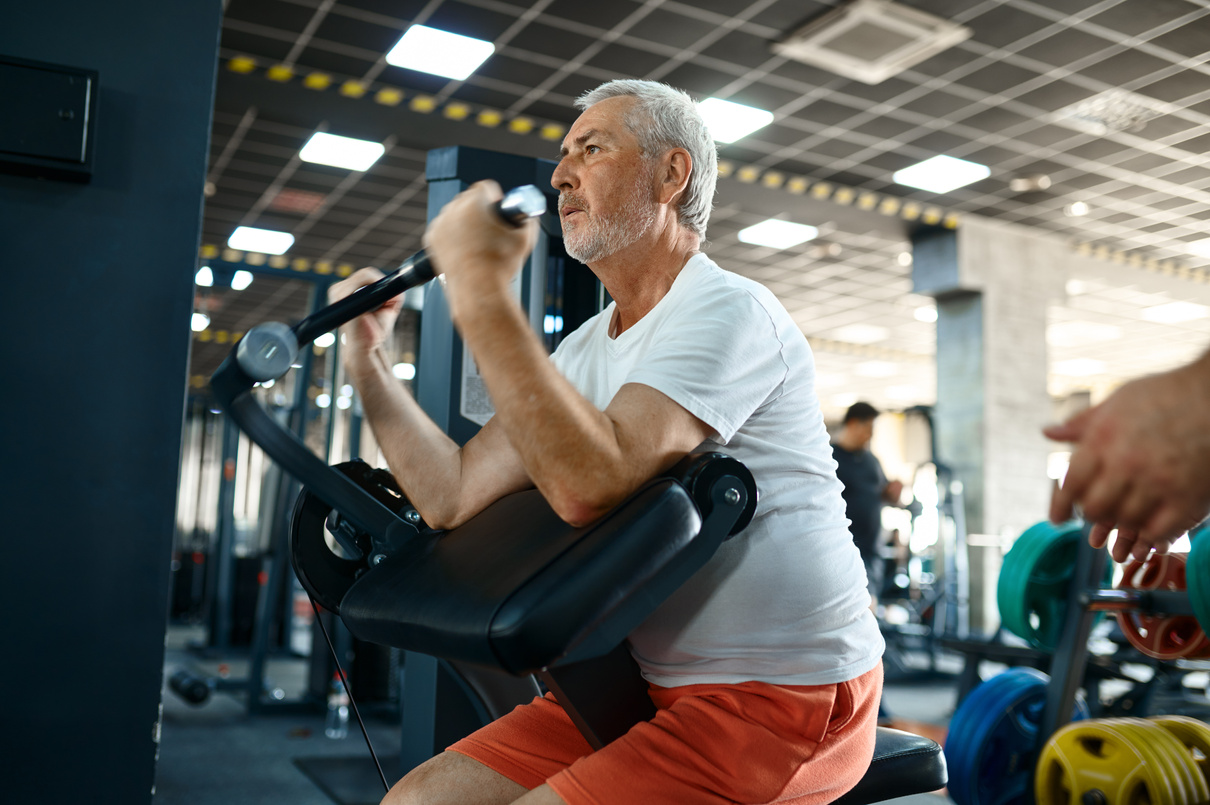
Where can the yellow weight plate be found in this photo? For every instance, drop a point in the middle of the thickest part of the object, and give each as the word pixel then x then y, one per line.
pixel 1195 735
pixel 1171 755
pixel 1099 755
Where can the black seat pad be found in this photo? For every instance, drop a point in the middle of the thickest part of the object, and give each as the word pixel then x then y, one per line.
pixel 903 764
pixel 516 587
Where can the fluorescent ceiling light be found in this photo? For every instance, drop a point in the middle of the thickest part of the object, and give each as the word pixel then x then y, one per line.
pixel 777 234
pixel 323 400
pixel 1200 247
pixel 200 322
pixel 438 52
pixel 1175 312
pixel 1081 333
pixel 1079 367
pixel 861 333
pixel 876 369
pixel 941 174
pixel 240 280
pixel 204 277
pixel 1076 208
pixel 728 121
pixel 926 313
pixel 265 241
pixel 343 402
pixel 326 340
pixel 341 152
pixel 404 371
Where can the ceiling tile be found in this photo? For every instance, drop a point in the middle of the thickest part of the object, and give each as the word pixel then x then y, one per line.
pixel 468 20
pixel 626 61
pixel 669 28
pixel 1178 87
pixel 1136 18
pixel 1125 67
pixel 741 48
pixel 1054 96
pixel 1191 39
pixel 1003 25
pixel 1065 47
pixel 600 15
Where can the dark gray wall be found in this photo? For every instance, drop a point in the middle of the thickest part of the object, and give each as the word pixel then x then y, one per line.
pixel 95 298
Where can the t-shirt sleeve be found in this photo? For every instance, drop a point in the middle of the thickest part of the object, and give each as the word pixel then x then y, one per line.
pixel 719 361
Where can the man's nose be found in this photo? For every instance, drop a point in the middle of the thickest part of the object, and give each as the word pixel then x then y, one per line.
pixel 563 177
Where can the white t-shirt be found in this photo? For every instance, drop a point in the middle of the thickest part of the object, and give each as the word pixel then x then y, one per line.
pixel 785 601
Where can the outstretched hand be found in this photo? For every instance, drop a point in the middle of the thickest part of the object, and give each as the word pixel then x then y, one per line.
pixel 1141 462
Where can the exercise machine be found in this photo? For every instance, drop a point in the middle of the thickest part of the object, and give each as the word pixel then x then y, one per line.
pixel 549 600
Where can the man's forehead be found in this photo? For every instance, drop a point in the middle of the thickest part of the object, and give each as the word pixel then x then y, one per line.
pixel 605 118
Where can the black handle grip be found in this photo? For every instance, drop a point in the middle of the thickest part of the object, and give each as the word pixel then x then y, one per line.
pixel 518 206
pixel 268 350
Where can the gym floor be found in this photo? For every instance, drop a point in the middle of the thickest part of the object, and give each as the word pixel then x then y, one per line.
pixel 216 754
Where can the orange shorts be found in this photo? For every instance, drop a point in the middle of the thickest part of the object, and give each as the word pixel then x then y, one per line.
pixel 746 743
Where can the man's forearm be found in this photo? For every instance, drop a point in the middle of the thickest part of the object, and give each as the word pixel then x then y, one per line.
pixel 425 462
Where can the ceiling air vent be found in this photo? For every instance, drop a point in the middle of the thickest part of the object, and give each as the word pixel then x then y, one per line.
pixel 1109 111
pixel 870 40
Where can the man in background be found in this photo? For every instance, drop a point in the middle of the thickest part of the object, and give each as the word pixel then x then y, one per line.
pixel 866 489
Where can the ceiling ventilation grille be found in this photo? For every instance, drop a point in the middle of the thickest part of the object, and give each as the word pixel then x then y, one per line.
pixel 870 40
pixel 1110 111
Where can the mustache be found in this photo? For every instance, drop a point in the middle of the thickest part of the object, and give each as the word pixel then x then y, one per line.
pixel 569 198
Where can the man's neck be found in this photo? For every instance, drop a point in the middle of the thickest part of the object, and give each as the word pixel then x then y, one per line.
pixel 640 275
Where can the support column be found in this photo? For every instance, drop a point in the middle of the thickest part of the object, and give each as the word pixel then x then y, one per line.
pixel 993 284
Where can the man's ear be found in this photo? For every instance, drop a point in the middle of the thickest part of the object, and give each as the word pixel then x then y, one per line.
pixel 676 166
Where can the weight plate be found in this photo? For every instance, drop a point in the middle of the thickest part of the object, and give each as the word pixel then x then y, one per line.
pixel 1098 756
pixel 1034 581
pixel 1197 576
pixel 1170 756
pixel 1194 735
pixel 1160 636
pixel 1012 586
pixel 993 738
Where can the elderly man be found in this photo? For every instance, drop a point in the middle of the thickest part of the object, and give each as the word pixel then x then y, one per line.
pixel 765 667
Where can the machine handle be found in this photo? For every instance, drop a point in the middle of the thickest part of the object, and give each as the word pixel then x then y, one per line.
pixel 268 351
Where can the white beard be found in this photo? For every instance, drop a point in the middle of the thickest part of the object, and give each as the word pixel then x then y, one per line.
pixel 594 237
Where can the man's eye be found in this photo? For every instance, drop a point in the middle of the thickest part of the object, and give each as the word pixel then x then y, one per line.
pixel 592 149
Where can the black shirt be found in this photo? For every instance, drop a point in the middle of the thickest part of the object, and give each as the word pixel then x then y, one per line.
pixel 863 480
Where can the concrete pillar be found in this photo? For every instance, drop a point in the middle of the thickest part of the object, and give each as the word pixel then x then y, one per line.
pixel 993 284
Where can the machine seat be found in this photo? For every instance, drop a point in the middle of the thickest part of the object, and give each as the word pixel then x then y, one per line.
pixel 903 764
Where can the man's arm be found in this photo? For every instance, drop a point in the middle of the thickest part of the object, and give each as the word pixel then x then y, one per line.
pixel 585 461
pixel 447 484
pixel 1141 461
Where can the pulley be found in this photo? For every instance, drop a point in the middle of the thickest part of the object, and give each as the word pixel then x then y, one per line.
pixel 328 551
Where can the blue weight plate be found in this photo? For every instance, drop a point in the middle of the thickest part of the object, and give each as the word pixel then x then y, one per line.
pixel 993 740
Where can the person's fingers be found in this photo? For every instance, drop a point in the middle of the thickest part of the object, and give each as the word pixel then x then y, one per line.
pixel 1123 544
pixel 1080 473
pixel 1098 535
pixel 1071 430
pixel 1165 522
pixel 1137 506
pixel 358 279
pixel 1104 496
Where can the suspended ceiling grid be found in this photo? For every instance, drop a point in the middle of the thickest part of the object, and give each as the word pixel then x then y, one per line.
pixel 991 99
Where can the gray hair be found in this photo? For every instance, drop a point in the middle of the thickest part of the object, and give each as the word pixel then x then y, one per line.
pixel 663 118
